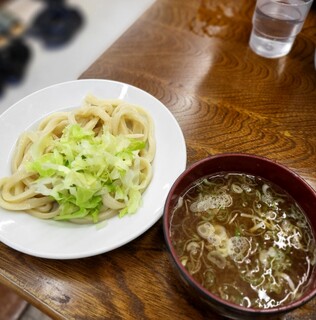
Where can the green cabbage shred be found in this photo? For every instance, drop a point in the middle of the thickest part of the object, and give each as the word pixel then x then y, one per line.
pixel 82 167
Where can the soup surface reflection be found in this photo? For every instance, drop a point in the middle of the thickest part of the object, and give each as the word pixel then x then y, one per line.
pixel 244 239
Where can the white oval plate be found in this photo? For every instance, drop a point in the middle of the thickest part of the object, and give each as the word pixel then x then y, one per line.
pixel 63 240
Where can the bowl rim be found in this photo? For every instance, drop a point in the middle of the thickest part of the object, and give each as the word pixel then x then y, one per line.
pixel 184 273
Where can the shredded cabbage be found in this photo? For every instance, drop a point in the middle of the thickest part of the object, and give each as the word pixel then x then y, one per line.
pixel 82 167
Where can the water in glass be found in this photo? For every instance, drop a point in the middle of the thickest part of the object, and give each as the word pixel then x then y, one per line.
pixel 275 26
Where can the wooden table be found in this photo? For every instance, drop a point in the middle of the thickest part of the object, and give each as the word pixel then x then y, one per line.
pixel 195 58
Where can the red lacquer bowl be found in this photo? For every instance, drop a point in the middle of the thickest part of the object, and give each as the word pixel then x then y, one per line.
pixel 285 178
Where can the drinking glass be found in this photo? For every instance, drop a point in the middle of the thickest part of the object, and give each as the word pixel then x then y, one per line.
pixel 276 23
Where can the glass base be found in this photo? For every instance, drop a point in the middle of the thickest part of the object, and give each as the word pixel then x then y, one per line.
pixel 270 48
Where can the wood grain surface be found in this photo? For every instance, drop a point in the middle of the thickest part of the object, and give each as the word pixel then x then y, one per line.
pixel 194 57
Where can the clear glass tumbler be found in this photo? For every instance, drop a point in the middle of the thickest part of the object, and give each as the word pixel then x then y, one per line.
pixel 276 24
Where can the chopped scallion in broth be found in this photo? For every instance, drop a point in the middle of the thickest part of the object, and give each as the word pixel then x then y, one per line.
pixel 244 239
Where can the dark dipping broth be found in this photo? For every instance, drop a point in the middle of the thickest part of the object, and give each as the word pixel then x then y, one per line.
pixel 244 239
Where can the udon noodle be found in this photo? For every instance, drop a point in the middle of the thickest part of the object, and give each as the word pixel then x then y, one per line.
pixel 19 192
